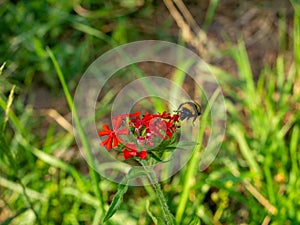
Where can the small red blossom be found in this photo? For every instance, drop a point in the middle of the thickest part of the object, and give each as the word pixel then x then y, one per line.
pixel 130 150
pixel 112 139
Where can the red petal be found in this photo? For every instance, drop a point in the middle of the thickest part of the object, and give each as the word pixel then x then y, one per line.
pixel 117 141
pixel 117 122
pixel 131 146
pixel 136 114
pixel 105 131
pixel 128 154
pixel 143 154
pixel 122 131
pixel 107 143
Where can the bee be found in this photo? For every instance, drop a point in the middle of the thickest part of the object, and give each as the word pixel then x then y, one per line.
pixel 189 110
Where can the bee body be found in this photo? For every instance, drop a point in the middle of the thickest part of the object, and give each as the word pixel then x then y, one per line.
pixel 189 110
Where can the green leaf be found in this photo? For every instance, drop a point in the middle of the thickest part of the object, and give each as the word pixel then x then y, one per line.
pixel 157 158
pixel 154 156
pixel 116 202
pixel 133 173
pixel 170 149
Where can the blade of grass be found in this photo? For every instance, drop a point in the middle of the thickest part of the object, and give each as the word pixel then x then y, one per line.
pixel 241 58
pixel 296 35
pixel 97 217
pixel 93 32
pixel 237 132
pixel 84 197
pixel 294 156
pixel 19 189
pixel 86 146
pixel 213 4
pixel 192 165
pixel 178 78
pixel 282 31
pixel 10 219
pixel 12 116
pixel 8 105
pixel 2 67
pixel 267 166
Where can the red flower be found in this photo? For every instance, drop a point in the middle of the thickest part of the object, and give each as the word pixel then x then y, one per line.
pixel 113 140
pixel 144 129
pixel 162 125
pixel 130 151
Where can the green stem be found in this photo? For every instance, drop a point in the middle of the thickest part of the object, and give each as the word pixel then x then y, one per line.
pixel 168 217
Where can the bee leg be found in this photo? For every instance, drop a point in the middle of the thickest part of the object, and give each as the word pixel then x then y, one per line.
pixel 195 117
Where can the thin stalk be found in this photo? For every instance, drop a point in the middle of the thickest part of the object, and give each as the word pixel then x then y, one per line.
pixel 168 217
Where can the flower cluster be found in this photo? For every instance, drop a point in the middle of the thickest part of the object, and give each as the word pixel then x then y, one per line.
pixel 145 129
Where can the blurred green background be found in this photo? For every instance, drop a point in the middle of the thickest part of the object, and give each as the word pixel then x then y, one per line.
pixel 253 48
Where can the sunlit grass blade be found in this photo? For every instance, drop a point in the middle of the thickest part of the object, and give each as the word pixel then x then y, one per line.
pixel 178 78
pixel 85 143
pixel 10 219
pixel 296 34
pixel 295 159
pixel 2 67
pixel 247 153
pixel 93 32
pixel 213 4
pixel 12 116
pixel 8 106
pixel 192 164
pixel 82 196
pixel 19 189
